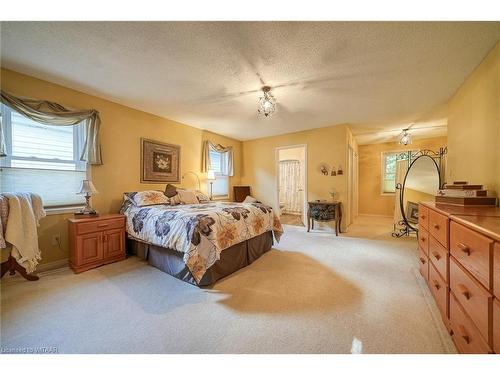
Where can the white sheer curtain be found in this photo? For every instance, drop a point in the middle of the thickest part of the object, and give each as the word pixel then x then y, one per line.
pixel 401 168
pixel 290 186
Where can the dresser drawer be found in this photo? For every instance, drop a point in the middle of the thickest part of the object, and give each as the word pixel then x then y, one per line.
pixel 465 335
pixel 423 240
pixel 496 326
pixel 423 217
pixel 496 270
pixel 439 290
pixel 473 297
pixel 423 265
pixel 438 227
pixel 438 256
pixel 99 225
pixel 473 251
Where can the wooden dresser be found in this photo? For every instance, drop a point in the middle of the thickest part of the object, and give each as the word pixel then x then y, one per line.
pixel 95 241
pixel 459 254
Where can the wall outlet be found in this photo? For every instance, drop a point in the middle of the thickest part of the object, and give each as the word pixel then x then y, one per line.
pixel 56 239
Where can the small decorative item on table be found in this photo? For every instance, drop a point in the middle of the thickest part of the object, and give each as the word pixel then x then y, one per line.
pixel 324 211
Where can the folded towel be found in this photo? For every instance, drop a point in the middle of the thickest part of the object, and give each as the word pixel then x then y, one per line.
pixel 25 212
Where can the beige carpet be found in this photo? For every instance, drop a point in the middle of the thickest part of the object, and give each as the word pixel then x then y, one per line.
pixel 313 293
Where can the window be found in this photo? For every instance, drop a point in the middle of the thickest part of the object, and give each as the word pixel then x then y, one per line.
pixel 389 172
pixel 219 164
pixel 42 159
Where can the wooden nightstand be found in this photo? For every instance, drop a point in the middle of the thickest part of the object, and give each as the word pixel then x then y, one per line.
pixel 95 241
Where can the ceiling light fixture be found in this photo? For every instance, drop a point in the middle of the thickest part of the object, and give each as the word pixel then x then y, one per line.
pixel 405 138
pixel 267 103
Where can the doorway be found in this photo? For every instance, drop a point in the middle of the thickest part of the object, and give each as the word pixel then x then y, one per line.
pixel 291 184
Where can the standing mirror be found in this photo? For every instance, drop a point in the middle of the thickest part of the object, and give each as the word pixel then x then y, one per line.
pixel 422 180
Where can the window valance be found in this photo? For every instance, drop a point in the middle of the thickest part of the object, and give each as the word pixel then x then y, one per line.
pixel 50 113
pixel 206 162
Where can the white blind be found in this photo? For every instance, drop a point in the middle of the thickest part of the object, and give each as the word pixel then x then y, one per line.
pixel 57 188
pixel 42 159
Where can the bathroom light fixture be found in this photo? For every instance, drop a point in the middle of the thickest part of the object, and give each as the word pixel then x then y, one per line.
pixel 405 138
pixel 267 103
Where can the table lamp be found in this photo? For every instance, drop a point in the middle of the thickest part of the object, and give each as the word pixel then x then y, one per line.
pixel 211 178
pixel 88 189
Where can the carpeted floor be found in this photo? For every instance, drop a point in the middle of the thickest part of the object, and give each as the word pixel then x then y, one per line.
pixel 313 293
pixel 292 220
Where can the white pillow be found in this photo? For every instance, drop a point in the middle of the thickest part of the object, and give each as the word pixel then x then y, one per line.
pixel 149 198
pixel 249 199
pixel 202 198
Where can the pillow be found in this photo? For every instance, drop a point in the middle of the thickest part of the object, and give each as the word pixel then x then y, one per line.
pixel 175 200
pixel 170 190
pixel 202 198
pixel 149 198
pixel 187 197
pixel 250 199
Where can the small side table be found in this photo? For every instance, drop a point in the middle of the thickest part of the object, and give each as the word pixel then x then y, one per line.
pixel 96 240
pixel 324 211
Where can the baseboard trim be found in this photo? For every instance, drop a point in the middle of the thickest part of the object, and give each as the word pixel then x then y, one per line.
pixel 375 215
pixel 51 266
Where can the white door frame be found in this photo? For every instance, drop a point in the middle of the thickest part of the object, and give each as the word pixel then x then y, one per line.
pixel 277 170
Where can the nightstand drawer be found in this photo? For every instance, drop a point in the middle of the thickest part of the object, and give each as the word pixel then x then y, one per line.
pixel 496 326
pixel 474 298
pixel 473 251
pixel 438 227
pixel 423 265
pixel 100 225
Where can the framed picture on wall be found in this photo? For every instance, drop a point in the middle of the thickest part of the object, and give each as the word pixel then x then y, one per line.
pixel 160 162
pixel 412 212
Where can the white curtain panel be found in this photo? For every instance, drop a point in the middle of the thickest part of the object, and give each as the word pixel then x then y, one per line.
pixel 290 193
pixel 401 168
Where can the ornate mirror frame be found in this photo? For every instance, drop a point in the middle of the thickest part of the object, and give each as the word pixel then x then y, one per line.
pixel 412 156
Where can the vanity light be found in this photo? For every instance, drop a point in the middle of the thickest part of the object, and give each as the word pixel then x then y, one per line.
pixel 267 103
pixel 405 138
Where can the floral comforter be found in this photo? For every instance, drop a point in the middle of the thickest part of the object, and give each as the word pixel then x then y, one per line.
pixel 200 231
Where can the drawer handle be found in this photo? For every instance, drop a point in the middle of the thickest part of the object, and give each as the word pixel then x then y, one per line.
pixel 422 260
pixel 464 291
pixel 422 217
pixel 436 226
pixel 464 333
pixel 422 239
pixel 436 255
pixel 464 248
pixel 436 284
pixel 102 225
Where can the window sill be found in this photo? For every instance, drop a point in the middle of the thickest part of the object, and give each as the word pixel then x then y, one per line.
pixel 63 210
pixel 387 194
pixel 221 198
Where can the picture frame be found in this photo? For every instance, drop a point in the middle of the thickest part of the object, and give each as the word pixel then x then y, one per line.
pixel 160 162
pixel 412 212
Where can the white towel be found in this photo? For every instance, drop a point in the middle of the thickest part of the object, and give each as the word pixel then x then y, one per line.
pixel 25 212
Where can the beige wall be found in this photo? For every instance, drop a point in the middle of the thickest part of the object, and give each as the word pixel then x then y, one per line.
pixel 474 126
pixel 121 130
pixel 328 145
pixel 371 201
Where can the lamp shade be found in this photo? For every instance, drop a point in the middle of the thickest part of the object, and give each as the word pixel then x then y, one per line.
pixel 87 187
pixel 210 175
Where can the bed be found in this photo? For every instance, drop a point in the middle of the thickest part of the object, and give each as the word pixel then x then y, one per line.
pixel 200 243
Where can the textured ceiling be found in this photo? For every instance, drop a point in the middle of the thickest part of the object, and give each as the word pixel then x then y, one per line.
pixel 375 76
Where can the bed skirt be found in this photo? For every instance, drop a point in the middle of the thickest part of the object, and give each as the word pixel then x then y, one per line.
pixel 231 259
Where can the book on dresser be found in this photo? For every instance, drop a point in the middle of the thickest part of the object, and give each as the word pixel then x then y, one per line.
pixel 96 240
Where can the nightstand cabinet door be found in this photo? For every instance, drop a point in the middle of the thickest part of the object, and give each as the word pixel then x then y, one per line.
pixel 114 243
pixel 91 248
